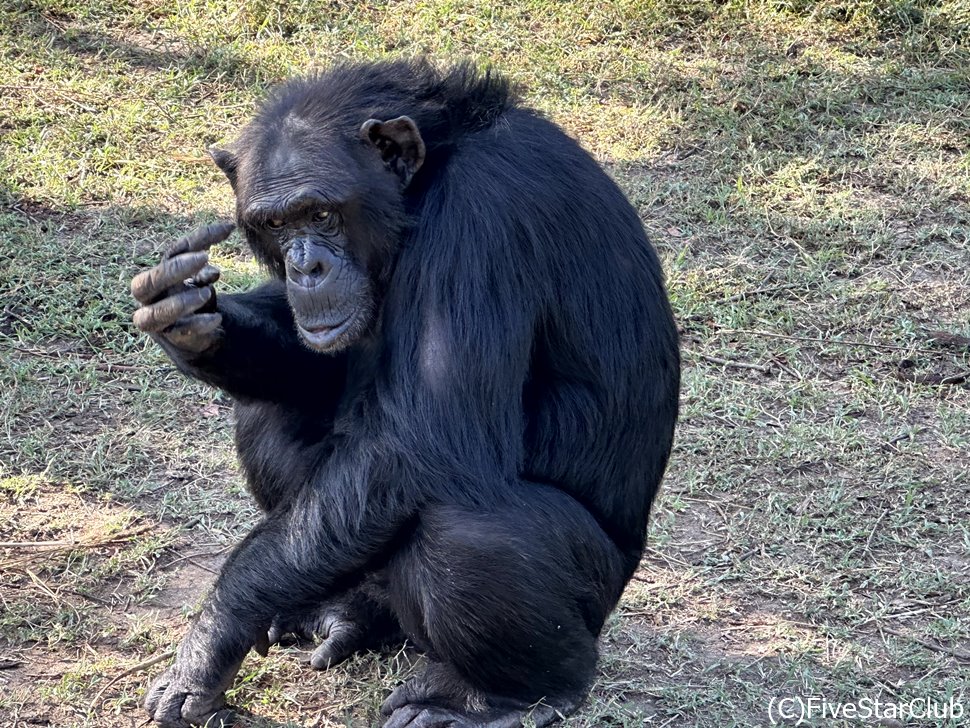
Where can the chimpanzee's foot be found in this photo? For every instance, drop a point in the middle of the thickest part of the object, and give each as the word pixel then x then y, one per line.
pixel 415 715
pixel 350 623
pixel 340 637
pixel 439 699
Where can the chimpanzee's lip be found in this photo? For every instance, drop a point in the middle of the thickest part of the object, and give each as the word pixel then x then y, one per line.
pixel 322 336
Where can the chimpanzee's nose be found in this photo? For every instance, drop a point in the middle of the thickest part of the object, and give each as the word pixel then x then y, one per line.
pixel 308 263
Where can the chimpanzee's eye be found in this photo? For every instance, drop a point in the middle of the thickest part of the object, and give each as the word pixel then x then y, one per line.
pixel 322 215
pixel 274 224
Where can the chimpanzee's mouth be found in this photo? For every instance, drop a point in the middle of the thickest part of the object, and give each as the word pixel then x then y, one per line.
pixel 322 337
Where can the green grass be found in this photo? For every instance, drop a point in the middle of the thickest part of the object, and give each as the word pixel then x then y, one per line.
pixel 804 170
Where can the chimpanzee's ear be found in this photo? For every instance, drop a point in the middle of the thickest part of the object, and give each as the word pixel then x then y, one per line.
pixel 399 143
pixel 227 161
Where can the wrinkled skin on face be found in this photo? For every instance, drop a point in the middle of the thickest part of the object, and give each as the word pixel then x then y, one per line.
pixel 331 294
pixel 322 214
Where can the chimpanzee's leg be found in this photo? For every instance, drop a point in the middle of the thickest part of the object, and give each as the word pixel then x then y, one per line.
pixel 508 602
pixel 275 443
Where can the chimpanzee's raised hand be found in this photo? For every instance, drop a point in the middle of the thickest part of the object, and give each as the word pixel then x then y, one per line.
pixel 178 302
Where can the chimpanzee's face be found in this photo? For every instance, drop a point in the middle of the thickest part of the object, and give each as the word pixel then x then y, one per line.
pixel 304 215
pixel 325 213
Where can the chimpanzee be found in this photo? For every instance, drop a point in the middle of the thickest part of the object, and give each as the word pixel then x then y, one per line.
pixel 454 399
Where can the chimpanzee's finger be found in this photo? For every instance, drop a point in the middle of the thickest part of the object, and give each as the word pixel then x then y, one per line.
pixel 155 693
pixel 276 632
pixel 343 640
pixel 262 645
pixel 200 239
pixel 148 286
pixel 168 709
pixel 198 711
pixel 166 312
pixel 206 277
pixel 194 333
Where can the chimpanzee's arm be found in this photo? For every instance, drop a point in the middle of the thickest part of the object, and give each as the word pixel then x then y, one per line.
pixel 245 344
pixel 258 354
pixel 335 529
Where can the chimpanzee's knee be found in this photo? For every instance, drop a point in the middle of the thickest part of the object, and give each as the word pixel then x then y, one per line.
pixel 513 598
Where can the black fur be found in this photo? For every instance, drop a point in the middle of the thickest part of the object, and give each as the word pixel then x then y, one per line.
pixel 488 449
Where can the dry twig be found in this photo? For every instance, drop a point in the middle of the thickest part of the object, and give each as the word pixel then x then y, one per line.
pixel 764 369
pixel 130 671
pixel 951 651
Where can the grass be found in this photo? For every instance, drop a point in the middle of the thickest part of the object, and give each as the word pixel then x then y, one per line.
pixel 804 170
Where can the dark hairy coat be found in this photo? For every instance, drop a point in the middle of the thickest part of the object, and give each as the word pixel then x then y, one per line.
pixel 492 444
